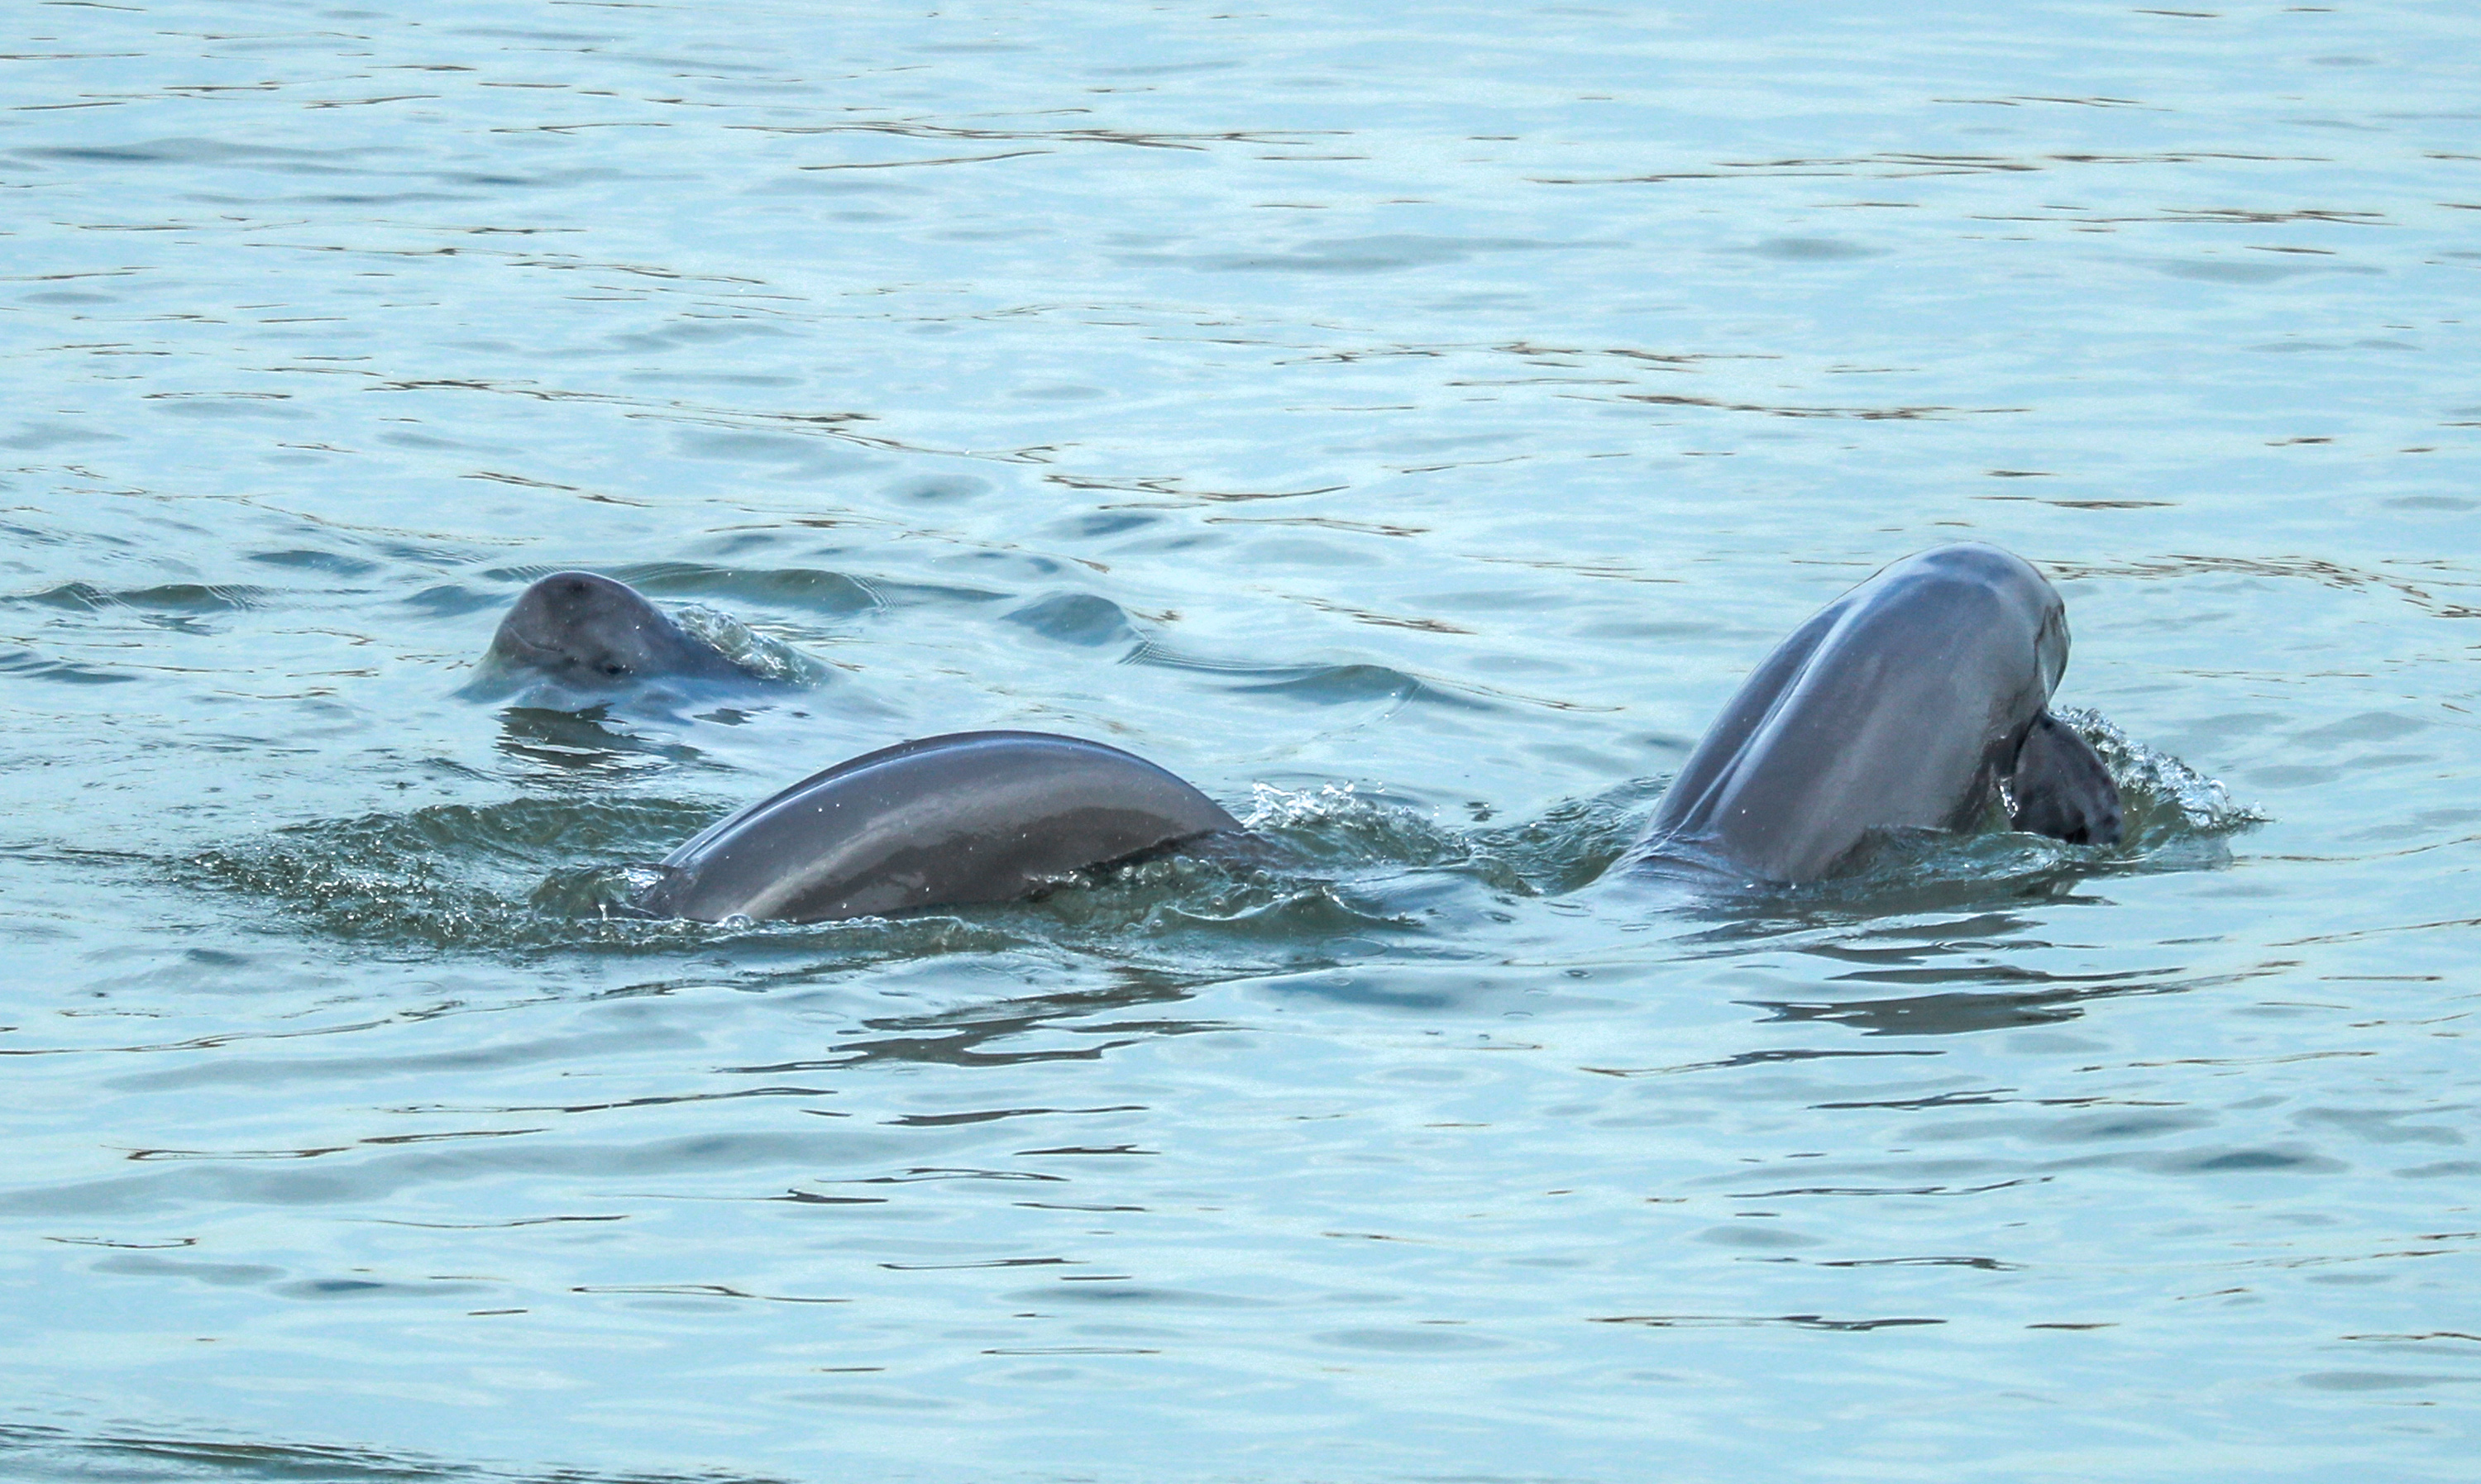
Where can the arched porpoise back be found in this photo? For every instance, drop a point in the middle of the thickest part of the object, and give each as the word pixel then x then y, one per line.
pixel 976 816
pixel 1901 704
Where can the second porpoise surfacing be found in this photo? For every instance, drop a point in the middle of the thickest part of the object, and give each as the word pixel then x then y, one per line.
pixel 592 636
pixel 1902 704
pixel 975 817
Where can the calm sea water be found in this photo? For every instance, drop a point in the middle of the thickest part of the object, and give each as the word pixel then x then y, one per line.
pixel 1408 423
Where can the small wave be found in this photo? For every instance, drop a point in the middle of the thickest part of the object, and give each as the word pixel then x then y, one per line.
pixel 1317 684
pixel 1342 685
pixel 1569 845
pixel 1573 841
pixel 448 875
pixel 1081 619
pixel 1205 907
pixel 182 599
pixel 39 1454
pixel 769 659
pixel 34 666
pixel 1335 825
pixel 810 589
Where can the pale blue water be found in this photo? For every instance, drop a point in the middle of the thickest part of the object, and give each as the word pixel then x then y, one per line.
pixel 1407 423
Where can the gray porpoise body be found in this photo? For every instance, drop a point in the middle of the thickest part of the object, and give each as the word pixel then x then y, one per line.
pixel 1902 704
pixel 975 817
pixel 592 634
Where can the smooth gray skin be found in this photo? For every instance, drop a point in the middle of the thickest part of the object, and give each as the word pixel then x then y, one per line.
pixel 976 816
pixel 592 634
pixel 1902 704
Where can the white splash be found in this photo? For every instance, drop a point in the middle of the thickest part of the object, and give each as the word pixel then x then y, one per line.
pixel 2203 802
pixel 1272 807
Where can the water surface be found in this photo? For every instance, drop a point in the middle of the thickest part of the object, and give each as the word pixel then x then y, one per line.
pixel 1409 425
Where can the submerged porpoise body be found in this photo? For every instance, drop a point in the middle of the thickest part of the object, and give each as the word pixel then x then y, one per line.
pixel 592 634
pixel 1903 704
pixel 975 817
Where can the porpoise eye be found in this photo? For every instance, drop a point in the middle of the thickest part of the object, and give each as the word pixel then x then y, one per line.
pixel 614 667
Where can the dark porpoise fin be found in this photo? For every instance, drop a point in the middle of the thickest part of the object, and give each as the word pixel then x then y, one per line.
pixel 2061 787
pixel 975 817
pixel 591 634
pixel 1898 706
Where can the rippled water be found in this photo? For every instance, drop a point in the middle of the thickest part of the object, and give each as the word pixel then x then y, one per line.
pixel 1408 424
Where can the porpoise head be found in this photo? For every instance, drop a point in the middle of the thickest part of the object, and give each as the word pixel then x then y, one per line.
pixel 1900 705
pixel 590 633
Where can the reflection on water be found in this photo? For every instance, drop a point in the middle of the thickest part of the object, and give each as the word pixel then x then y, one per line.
pixel 1407 425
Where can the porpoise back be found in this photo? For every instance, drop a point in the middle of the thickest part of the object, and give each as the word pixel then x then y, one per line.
pixel 1901 704
pixel 974 817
